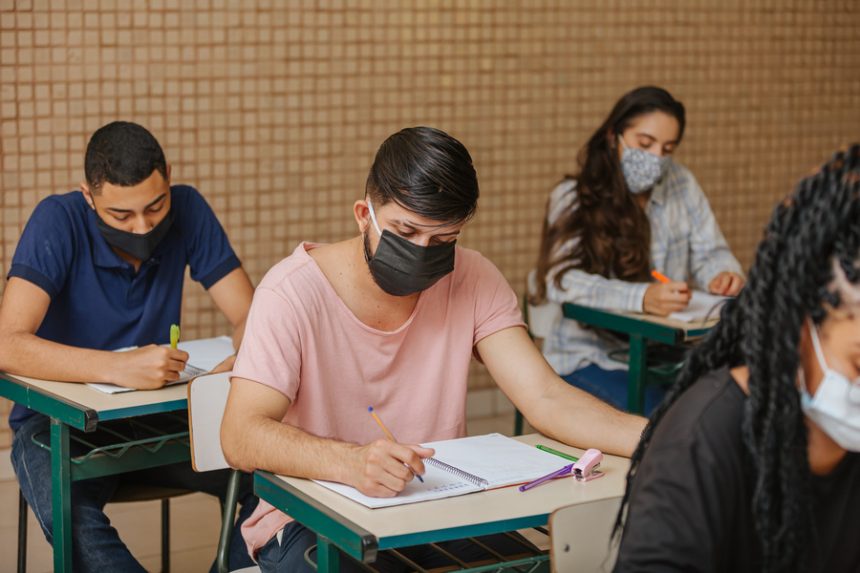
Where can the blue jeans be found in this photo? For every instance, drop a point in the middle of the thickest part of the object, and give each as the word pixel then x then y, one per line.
pixel 96 545
pixel 611 386
pixel 288 555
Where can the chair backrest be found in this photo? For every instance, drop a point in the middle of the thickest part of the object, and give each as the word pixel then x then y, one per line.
pixel 580 536
pixel 539 317
pixel 207 398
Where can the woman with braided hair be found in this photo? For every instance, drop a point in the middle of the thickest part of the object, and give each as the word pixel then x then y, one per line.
pixel 751 463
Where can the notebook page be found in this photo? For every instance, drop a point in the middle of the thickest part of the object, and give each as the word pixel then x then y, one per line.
pixel 702 305
pixel 207 353
pixel 186 375
pixel 203 355
pixel 496 458
pixel 437 484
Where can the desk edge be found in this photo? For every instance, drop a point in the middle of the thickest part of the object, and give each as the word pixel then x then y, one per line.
pixel 347 535
pixel 54 406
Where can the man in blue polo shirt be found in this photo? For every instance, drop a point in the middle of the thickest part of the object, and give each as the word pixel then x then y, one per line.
pixel 101 269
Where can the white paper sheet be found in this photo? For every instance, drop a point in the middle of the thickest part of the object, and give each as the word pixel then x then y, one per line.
pixel 203 355
pixel 702 306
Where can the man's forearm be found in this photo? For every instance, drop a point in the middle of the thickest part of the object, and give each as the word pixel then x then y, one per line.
pixel 252 443
pixel 28 355
pixel 579 419
pixel 238 333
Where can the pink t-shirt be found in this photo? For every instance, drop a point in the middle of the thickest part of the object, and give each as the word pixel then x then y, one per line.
pixel 303 341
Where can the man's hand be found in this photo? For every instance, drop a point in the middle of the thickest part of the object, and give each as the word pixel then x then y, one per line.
pixel 383 468
pixel 727 284
pixel 663 299
pixel 148 368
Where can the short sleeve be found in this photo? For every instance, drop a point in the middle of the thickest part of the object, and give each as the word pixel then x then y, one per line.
pixel 46 249
pixel 271 350
pixel 210 255
pixel 496 306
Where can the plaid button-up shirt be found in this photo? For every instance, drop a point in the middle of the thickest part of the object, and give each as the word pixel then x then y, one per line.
pixel 686 244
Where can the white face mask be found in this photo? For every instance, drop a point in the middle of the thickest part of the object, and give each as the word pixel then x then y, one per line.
pixel 835 408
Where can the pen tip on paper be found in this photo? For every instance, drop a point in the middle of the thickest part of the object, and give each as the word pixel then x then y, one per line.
pixel 370 408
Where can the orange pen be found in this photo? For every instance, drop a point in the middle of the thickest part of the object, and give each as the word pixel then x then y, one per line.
pixel 660 277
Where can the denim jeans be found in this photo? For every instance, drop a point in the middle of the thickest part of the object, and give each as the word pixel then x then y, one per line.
pixel 611 386
pixel 288 554
pixel 96 545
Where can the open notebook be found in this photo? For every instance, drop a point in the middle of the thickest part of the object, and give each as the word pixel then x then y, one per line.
pixel 466 465
pixel 702 306
pixel 205 354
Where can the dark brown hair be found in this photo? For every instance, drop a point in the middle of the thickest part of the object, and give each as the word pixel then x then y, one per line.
pixel 425 171
pixel 611 230
pixel 122 153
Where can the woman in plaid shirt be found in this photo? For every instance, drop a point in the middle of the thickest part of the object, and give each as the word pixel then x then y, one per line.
pixel 629 210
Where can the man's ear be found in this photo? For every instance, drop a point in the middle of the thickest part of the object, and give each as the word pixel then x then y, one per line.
pixel 169 166
pixel 88 195
pixel 362 214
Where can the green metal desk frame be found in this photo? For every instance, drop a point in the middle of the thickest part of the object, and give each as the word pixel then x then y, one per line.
pixel 337 534
pixel 641 331
pixel 64 415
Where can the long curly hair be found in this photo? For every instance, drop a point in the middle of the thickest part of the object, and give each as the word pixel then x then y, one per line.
pixel 611 231
pixel 811 233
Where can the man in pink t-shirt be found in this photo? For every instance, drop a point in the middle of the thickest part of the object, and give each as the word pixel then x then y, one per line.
pixel 389 319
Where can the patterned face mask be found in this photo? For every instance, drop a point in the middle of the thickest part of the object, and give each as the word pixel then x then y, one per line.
pixel 642 170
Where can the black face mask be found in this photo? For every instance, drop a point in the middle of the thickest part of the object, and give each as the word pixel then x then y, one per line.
pixel 401 267
pixel 138 246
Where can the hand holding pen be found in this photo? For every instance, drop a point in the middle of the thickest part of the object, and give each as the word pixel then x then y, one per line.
pixel 149 367
pixel 387 466
pixel 665 296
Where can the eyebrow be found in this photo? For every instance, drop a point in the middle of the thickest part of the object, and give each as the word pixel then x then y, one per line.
pixel 652 138
pixel 150 204
pixel 416 226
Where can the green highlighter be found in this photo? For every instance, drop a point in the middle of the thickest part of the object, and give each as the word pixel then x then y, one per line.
pixel 557 453
pixel 174 335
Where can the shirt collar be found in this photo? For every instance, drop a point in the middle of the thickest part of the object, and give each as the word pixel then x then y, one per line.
pixel 658 194
pixel 661 189
pixel 103 255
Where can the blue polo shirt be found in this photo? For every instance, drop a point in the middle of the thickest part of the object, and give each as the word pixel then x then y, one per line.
pixel 97 299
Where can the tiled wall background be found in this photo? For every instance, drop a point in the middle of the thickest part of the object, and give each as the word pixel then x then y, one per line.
pixel 274 109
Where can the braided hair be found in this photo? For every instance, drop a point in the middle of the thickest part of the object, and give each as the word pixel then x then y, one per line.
pixel 813 232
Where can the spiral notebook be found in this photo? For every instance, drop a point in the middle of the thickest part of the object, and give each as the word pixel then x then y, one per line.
pixel 465 465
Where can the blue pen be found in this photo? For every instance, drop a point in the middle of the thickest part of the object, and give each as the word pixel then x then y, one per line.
pixel 557 473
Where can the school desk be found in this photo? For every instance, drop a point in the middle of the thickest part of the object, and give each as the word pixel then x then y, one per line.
pixel 640 328
pixel 78 406
pixel 342 525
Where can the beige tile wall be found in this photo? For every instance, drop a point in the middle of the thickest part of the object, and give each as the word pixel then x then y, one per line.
pixel 274 109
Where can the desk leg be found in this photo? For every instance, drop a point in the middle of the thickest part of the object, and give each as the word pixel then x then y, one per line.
pixel 328 556
pixel 636 375
pixel 61 487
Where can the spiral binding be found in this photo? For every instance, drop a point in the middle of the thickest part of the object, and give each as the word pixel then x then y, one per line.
pixel 464 475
